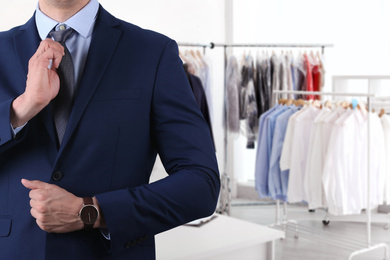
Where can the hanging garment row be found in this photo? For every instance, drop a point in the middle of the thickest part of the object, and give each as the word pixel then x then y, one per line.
pixel 250 82
pixel 200 66
pixel 317 153
pixel 197 69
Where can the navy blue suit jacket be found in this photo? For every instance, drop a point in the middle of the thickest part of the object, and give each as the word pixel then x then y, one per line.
pixel 133 102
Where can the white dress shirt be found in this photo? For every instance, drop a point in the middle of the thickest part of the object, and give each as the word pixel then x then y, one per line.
pixel 314 163
pixel 287 146
pixel 300 145
pixel 386 130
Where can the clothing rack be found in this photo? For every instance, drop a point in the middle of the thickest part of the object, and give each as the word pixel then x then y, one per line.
pixel 368 245
pixel 225 194
pixel 225 198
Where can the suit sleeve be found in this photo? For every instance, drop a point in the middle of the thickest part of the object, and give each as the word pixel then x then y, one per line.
pixel 183 141
pixel 6 134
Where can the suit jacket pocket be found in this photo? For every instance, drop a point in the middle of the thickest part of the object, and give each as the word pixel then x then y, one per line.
pixel 117 94
pixel 5 227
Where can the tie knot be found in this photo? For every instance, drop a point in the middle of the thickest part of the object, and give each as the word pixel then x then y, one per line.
pixel 62 34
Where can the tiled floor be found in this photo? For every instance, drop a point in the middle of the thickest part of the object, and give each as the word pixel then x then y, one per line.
pixel 307 249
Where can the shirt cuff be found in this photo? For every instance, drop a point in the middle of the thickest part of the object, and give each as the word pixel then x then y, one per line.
pixel 16 130
pixel 105 233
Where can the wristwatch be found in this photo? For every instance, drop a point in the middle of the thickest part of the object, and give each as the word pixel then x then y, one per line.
pixel 88 213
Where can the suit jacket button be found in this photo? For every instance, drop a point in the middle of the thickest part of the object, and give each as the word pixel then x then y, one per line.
pixel 57 175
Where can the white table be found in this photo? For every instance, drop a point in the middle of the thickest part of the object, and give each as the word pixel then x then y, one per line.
pixel 223 238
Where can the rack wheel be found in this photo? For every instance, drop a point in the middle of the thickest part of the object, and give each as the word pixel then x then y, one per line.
pixel 325 222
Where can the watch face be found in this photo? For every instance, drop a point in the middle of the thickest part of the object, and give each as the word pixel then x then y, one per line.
pixel 89 214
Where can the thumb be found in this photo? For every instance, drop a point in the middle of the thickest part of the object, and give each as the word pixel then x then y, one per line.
pixel 33 185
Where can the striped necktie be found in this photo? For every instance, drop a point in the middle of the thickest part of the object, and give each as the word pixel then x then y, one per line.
pixel 63 102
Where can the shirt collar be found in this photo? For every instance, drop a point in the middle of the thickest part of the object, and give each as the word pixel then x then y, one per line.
pixel 82 21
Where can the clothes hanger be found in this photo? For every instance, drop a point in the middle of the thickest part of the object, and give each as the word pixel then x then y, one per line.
pixel 300 102
pixel 344 104
pixel 382 112
pixel 328 104
pixel 316 103
pixel 362 107
pixel 199 54
pixel 289 102
pixel 282 101
pixel 183 57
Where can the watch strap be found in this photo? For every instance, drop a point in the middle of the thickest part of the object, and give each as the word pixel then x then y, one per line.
pixel 88 201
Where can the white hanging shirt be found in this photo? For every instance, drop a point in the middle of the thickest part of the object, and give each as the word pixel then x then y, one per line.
pixel 285 157
pixel 335 168
pixel 313 171
pixel 300 144
pixel 386 130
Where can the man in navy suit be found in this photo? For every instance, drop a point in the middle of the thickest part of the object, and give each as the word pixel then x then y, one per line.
pixel 85 194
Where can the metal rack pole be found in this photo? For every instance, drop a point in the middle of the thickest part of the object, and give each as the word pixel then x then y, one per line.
pixel 275 45
pixel 201 45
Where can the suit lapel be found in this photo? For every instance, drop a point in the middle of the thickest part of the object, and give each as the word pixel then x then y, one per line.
pixel 26 43
pixel 104 41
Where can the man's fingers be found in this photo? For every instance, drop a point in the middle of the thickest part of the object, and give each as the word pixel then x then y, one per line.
pixel 49 44
pixel 48 50
pixel 32 185
pixel 50 54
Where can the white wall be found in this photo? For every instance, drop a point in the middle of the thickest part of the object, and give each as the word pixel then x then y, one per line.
pixel 13 13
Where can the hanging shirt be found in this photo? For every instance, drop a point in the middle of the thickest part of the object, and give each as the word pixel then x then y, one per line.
pixel 259 85
pixel 313 170
pixel 378 160
pixel 200 97
pixel 207 84
pixel 277 182
pixel 300 75
pixel 275 70
pixel 336 167
pixel 288 72
pixel 386 131
pixel 251 121
pixel 283 81
pixel 316 158
pixel 285 158
pixel 264 84
pixel 294 75
pixel 263 152
pixel 316 79
pixel 309 76
pixel 302 129
pixel 232 96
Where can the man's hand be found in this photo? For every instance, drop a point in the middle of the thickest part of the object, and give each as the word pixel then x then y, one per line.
pixel 55 209
pixel 42 84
